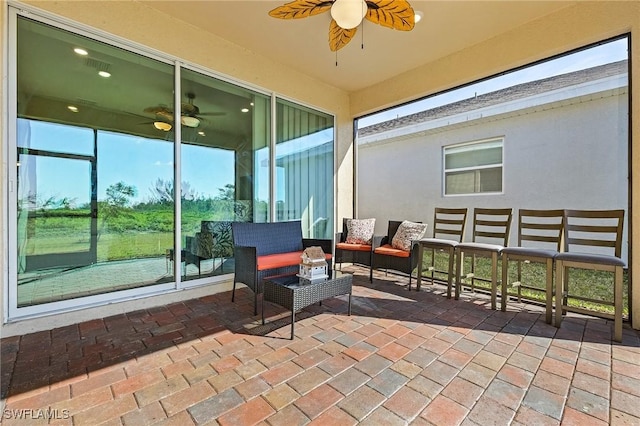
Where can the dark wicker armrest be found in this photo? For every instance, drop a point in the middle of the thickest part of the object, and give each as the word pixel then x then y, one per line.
pixel 246 265
pixel 340 237
pixel 326 245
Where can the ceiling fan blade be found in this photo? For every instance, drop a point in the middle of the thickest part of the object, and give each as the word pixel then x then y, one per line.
pixel 156 109
pixel 301 9
pixel 338 36
pixel 212 114
pixel 396 14
pixel 189 109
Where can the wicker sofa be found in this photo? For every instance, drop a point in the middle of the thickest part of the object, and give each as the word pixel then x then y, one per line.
pixel 267 249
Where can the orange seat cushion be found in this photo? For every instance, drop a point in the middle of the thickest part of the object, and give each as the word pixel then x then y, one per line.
pixel 280 260
pixel 353 247
pixel 387 250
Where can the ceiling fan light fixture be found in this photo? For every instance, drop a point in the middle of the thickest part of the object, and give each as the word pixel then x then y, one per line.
pixel 161 125
pixel 189 121
pixel 348 14
pixel 418 17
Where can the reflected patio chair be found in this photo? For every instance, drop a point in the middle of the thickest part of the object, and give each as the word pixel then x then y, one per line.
pixel 222 246
pixel 539 241
pixel 593 241
pixel 449 224
pixel 491 225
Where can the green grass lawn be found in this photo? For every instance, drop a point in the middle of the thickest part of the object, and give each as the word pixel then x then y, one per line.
pixel 117 246
pixel 133 245
pixel 596 285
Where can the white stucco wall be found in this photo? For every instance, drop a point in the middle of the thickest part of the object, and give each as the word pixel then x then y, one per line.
pixel 573 157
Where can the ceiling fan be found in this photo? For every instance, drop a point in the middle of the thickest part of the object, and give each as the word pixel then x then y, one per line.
pixel 190 114
pixel 348 14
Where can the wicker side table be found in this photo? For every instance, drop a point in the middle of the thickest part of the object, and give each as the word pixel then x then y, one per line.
pixel 294 293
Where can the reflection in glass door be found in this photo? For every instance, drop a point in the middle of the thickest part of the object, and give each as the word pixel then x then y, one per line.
pixel 97 185
pixel 58 228
pixel 94 144
pixel 304 168
pixel 224 126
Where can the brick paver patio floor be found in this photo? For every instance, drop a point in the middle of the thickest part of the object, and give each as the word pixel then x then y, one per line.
pixel 401 358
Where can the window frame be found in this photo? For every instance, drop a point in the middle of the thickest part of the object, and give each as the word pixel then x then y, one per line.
pixel 488 141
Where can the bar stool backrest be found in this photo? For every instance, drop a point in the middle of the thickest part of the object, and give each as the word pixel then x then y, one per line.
pixel 594 231
pixel 492 224
pixel 450 223
pixel 541 228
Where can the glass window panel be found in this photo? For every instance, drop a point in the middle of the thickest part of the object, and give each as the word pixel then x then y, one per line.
pixel 58 138
pixel 473 158
pixel 474 181
pixel 88 153
pixel 304 168
pixel 224 173
pixel 490 180
pixel 55 222
pixel 460 182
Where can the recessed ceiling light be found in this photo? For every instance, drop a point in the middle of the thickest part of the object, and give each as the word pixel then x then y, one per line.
pixel 201 133
pixel 104 74
pixel 251 104
pixel 72 108
pixel 80 51
pixel 245 110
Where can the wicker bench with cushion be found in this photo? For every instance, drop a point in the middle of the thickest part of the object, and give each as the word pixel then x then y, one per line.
pixel 267 249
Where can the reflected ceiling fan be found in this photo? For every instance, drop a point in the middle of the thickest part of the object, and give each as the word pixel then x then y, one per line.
pixel 348 14
pixel 190 114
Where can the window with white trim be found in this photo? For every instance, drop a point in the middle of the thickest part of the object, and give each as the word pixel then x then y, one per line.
pixel 473 168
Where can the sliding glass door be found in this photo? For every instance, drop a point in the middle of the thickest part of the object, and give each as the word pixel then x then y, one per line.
pixel 223 129
pixel 130 169
pixel 87 156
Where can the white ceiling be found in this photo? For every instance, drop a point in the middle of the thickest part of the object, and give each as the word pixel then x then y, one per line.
pixel 447 27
